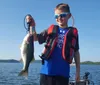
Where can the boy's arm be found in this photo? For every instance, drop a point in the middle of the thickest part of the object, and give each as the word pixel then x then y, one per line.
pixel 77 62
pixel 41 37
pixel 33 31
pixel 77 59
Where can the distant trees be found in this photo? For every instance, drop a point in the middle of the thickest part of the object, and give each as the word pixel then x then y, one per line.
pixel 90 62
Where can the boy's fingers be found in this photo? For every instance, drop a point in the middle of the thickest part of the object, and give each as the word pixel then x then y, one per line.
pixel 30 19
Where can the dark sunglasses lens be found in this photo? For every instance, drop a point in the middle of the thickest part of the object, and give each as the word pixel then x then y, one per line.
pixel 62 15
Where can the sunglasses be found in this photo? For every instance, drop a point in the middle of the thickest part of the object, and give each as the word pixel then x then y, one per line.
pixel 62 15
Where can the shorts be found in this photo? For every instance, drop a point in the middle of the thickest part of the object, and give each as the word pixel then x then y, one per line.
pixel 53 80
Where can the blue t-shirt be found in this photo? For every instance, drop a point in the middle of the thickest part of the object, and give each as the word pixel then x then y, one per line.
pixel 56 65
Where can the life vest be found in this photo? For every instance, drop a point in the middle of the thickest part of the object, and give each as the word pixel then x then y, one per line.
pixel 68 44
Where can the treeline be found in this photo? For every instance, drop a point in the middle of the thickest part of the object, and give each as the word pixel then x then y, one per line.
pixel 9 61
pixel 39 61
pixel 90 62
pixel 16 61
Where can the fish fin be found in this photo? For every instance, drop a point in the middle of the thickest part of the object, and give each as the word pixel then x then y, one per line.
pixel 33 60
pixel 23 73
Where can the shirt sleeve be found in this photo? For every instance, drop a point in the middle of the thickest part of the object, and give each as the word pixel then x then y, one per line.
pixel 42 37
pixel 77 44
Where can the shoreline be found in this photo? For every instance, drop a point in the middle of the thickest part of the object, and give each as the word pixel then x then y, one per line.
pixel 39 61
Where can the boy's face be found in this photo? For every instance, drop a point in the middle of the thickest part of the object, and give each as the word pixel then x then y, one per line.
pixel 61 17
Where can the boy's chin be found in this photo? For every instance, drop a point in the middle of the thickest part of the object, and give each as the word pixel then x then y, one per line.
pixel 62 25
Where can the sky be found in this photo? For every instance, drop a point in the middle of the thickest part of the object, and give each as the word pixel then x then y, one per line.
pixel 86 14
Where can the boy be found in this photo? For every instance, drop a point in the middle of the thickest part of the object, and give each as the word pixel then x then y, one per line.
pixel 56 66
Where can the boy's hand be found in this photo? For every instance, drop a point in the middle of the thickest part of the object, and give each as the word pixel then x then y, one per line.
pixel 31 20
pixel 32 31
pixel 77 77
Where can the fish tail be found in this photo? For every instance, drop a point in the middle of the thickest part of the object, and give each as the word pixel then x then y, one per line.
pixel 23 73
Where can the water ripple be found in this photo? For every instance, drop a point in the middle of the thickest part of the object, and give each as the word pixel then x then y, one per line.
pixel 9 73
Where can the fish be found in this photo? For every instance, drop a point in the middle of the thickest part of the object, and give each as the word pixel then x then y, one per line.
pixel 27 53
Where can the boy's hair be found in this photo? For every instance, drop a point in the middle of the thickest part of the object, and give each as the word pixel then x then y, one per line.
pixel 64 7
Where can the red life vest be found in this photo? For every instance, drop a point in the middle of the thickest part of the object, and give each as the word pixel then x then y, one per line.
pixel 68 45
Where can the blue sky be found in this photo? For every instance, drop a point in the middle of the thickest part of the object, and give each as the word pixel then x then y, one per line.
pixel 12 32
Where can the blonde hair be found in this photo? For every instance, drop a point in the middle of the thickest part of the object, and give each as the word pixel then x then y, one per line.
pixel 64 7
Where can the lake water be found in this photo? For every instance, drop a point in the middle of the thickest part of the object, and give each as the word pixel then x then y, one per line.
pixel 9 73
